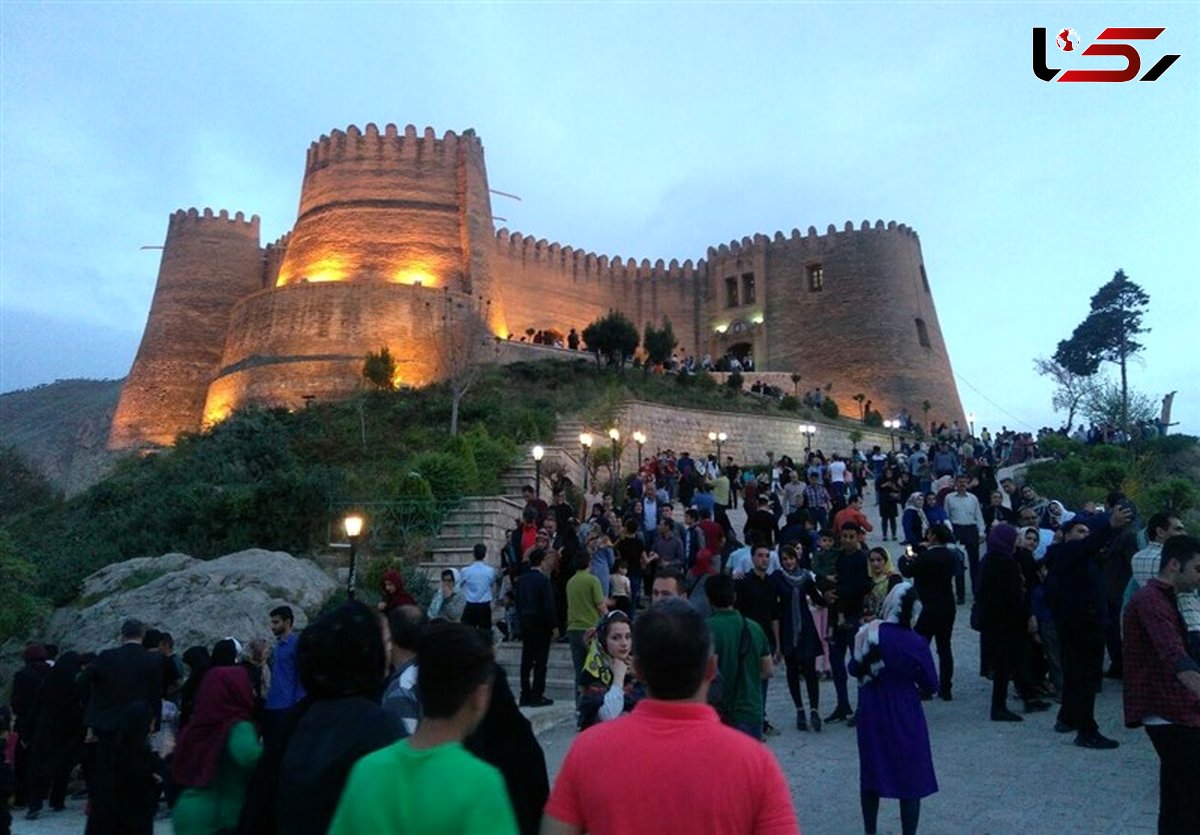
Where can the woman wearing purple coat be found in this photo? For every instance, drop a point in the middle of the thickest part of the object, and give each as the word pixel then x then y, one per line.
pixel 894 668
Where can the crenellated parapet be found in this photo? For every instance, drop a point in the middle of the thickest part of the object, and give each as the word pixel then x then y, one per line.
pixel 759 242
pixel 184 220
pixel 579 262
pixel 389 145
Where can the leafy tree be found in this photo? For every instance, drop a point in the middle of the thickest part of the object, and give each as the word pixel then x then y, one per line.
pixel 613 336
pixel 855 436
pixel 1105 402
pixel 659 343
pixel 379 369
pixel 859 398
pixel 1108 334
pixel 796 383
pixel 1070 389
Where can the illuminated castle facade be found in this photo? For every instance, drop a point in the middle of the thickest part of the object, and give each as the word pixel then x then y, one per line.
pixel 395 226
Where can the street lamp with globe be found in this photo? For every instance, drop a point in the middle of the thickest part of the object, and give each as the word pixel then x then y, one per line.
pixel 615 435
pixel 353 524
pixel 639 438
pixel 539 452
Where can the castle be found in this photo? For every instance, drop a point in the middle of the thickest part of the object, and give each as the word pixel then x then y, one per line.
pixel 395 227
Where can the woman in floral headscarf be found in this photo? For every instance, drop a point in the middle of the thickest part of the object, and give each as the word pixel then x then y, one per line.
pixel 607 685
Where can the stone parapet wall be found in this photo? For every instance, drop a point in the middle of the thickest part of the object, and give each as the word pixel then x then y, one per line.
pixel 750 436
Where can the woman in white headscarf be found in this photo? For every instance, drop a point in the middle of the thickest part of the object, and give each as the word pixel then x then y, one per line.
pixel 895 669
pixel 1057 515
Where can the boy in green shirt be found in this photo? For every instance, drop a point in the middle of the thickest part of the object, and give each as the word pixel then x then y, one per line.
pixel 429 784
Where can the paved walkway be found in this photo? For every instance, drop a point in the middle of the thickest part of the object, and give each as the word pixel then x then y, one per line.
pixel 996 778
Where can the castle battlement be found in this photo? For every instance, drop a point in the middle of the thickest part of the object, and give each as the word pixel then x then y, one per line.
pixel 390 145
pixel 185 219
pixel 570 260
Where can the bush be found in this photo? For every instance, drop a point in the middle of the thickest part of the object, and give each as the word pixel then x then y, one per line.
pixel 23 609
pixel 735 381
pixel 448 476
pixel 789 403
pixel 829 408
pixel 873 418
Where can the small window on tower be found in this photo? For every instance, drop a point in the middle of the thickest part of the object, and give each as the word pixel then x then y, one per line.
pixel 816 278
pixel 731 292
pixel 924 278
pixel 747 288
pixel 922 333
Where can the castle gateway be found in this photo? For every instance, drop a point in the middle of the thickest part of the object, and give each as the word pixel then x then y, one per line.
pixel 395 228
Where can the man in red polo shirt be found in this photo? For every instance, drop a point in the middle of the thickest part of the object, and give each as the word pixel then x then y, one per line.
pixel 671 735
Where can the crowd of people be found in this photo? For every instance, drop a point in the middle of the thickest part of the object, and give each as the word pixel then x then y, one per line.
pixel 397 719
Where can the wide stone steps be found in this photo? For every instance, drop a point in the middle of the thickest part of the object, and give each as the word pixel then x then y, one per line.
pixel 560 673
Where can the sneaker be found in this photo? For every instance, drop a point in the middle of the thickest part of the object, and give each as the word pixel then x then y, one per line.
pixel 1096 740
pixel 1036 705
pixel 801 720
pixel 541 701
pixel 1006 716
pixel 1061 727
pixel 814 720
pixel 841 714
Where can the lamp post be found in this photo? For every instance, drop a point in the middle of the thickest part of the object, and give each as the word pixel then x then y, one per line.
pixel 718 438
pixel 891 426
pixel 585 441
pixel 539 452
pixel 353 523
pixel 971 423
pixel 809 430
pixel 639 438
pixel 615 435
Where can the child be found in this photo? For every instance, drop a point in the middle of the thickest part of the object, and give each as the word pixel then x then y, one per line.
pixel 823 565
pixel 621 597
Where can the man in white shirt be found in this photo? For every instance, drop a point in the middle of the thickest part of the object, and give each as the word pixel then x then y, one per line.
pixel 966 517
pixel 478 582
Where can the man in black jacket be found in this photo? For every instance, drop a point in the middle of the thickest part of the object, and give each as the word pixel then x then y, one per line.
pixel 933 570
pixel 852 582
pixel 126 685
pixel 1076 594
pixel 537 613
pixel 761 525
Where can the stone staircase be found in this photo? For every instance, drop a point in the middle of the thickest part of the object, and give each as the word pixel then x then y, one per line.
pixel 485 519
pixel 560 674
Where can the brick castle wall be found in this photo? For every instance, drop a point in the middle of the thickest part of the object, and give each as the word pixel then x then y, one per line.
pixel 388 217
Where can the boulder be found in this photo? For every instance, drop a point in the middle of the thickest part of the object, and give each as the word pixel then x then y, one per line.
pixel 197 601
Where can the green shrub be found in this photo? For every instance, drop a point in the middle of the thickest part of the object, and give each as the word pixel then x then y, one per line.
pixel 735 381
pixel 448 475
pixel 789 403
pixel 873 418
pixel 829 408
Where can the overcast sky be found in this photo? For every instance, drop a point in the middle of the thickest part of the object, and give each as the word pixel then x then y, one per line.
pixel 639 129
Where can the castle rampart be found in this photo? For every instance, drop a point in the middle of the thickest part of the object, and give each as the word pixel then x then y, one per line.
pixel 393 223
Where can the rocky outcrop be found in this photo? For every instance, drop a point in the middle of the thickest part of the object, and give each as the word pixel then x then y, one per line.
pixel 197 601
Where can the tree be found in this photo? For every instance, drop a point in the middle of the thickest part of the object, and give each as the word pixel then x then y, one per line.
pixel 612 336
pixel 859 398
pixel 464 347
pixel 1108 334
pixel 796 383
pixel 1106 403
pixel 659 343
pixel 855 436
pixel 1070 389
pixel 379 369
